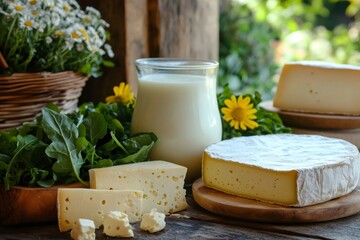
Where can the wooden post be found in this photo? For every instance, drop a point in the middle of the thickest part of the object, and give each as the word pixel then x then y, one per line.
pixel 153 28
pixel 188 29
pixel 113 12
pixel 136 41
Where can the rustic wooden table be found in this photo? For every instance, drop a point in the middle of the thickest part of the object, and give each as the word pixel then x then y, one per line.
pixel 197 223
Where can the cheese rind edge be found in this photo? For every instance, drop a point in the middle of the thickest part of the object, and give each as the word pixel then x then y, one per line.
pixel 276 181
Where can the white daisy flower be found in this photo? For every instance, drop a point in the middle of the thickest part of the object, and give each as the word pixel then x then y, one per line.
pixel 65 7
pixel 74 4
pixel 104 23
pixel 87 19
pixel 75 35
pixel 102 36
pixel 55 19
pixel 92 48
pixel 78 33
pixel 93 11
pixel 33 2
pixel 40 26
pixel 109 50
pixel 17 7
pixel 101 51
pixel 35 11
pixel 69 44
pixel 27 22
pixel 60 22
pixel 48 40
pixel 50 5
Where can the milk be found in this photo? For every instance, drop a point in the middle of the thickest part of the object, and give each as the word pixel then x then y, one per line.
pixel 182 111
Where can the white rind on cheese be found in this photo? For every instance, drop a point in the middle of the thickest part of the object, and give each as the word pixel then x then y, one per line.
pixel 162 183
pixel 287 169
pixel 93 204
pixel 319 87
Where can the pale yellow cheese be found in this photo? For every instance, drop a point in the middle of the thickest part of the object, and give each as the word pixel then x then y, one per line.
pixel 153 221
pixel 116 224
pixel 286 169
pixel 162 183
pixel 83 229
pixel 93 204
pixel 319 87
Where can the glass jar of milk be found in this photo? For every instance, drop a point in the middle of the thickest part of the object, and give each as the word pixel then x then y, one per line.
pixel 177 101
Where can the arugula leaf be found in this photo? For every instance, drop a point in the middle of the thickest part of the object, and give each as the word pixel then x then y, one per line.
pixel 8 142
pixel 12 175
pixel 104 163
pixel 39 177
pixel 138 156
pixel 96 127
pixel 63 133
pixel 135 143
pixel 118 143
pixel 57 148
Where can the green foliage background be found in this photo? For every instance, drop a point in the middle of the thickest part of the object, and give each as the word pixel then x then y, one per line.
pixel 258 36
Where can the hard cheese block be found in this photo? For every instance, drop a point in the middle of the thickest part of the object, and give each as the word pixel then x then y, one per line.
pixel 286 169
pixel 93 204
pixel 319 87
pixel 162 183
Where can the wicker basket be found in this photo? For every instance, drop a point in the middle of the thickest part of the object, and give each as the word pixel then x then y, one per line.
pixel 22 95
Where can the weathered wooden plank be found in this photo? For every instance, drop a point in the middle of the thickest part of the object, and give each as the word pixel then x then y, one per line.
pixel 197 223
pixel 175 229
pixel 344 228
pixel 112 11
pixel 153 28
pixel 136 41
pixel 188 29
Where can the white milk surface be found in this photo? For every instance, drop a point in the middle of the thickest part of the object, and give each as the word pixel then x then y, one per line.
pixel 182 111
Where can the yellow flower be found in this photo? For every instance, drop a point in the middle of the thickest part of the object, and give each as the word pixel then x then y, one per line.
pixel 240 113
pixel 85 34
pixel 123 95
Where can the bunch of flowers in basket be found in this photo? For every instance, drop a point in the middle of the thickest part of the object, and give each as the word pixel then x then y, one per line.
pixel 53 36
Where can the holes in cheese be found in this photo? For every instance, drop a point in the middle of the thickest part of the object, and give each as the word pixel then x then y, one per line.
pixel 92 204
pixel 161 182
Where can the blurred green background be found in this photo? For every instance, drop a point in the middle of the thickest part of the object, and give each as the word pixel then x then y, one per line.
pixel 258 36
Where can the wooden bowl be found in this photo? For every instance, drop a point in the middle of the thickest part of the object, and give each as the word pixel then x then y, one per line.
pixel 21 205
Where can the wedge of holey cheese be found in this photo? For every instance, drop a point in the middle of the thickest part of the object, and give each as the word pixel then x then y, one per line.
pixel 286 169
pixel 319 87
pixel 75 203
pixel 162 183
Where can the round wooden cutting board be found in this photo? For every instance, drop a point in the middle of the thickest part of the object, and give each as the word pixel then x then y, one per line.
pixel 313 120
pixel 21 205
pixel 247 209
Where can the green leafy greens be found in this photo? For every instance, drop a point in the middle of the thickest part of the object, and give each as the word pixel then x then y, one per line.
pixel 59 148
